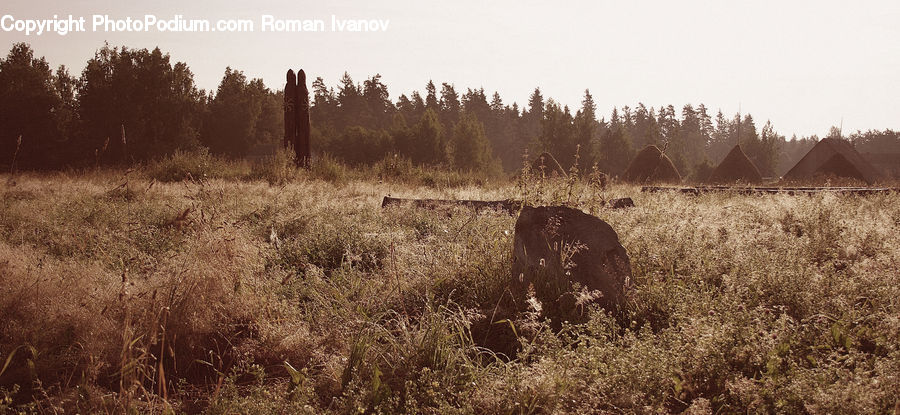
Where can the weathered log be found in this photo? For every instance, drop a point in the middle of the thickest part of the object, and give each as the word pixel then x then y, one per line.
pixel 509 205
pixel 696 190
pixel 622 203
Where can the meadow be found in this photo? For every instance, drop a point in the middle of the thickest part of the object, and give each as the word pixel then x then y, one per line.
pixel 196 285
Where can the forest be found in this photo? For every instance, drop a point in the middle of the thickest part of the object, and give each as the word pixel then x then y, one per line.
pixel 131 106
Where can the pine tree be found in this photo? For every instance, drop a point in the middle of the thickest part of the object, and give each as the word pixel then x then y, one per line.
pixel 706 126
pixel 401 135
pixel 418 106
pixel 324 106
pixel 496 103
pixel 379 108
pixel 431 101
pixel 143 91
pixel 668 124
pixel 720 142
pixel 475 102
pixel 28 103
pixel 350 100
pixel 585 128
pixel 691 146
pixel 764 149
pixel 429 147
pixel 231 125
pixel 530 128
pixel 469 146
pixel 646 130
pixel 557 134
pixel 449 103
pixel 615 150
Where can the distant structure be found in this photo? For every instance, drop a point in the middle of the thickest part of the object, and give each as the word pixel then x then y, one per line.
pixel 834 157
pixel 651 165
pixel 296 117
pixel 887 164
pixel 735 168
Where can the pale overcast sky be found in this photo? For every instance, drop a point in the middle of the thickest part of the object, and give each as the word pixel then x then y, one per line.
pixel 804 65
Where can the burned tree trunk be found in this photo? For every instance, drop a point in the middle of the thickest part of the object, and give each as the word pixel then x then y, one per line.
pixel 301 143
pixel 296 117
pixel 290 98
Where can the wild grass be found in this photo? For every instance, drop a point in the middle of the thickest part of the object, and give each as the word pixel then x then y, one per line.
pixel 232 287
pixel 278 169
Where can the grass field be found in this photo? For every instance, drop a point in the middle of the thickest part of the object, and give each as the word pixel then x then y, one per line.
pixel 261 290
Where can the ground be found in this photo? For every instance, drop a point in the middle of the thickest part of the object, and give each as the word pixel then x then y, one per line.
pixel 247 290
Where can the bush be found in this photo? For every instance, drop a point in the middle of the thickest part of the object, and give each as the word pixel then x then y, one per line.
pixel 331 247
pixel 327 168
pixel 196 165
pixel 277 169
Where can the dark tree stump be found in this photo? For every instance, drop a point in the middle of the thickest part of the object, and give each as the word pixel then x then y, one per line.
pixel 290 119
pixel 301 143
pixel 555 247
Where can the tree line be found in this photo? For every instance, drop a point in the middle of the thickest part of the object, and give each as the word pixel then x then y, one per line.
pixel 127 106
pixel 134 105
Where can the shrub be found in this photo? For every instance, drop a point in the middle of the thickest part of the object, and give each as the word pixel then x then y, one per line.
pixel 196 165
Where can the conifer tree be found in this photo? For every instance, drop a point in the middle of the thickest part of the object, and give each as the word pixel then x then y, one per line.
pixel 429 147
pixel 585 128
pixel 469 145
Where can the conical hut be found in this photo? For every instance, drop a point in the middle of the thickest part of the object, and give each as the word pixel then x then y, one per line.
pixel 736 167
pixel 839 166
pixel 651 165
pixel 821 160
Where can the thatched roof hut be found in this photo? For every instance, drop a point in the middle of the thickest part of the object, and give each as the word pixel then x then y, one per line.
pixel 735 168
pixel 651 165
pixel 839 166
pixel 834 157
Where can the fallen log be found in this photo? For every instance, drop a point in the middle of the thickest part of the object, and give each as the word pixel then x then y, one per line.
pixel 511 206
pixel 622 203
pixel 696 190
pixel 508 205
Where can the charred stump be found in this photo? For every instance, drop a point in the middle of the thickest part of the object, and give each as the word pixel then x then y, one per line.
pixel 290 96
pixel 296 117
pixel 301 143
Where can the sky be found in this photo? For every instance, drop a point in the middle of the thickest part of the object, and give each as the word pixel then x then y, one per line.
pixel 803 65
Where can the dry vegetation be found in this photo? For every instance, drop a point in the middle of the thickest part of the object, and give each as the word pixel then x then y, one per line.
pixel 261 290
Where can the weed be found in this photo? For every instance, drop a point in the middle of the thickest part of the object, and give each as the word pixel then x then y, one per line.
pixel 258 288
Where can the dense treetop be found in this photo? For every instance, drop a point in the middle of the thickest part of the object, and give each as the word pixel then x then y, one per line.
pixel 132 105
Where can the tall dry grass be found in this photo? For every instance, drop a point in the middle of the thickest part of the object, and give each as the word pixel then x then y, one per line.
pixel 294 292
